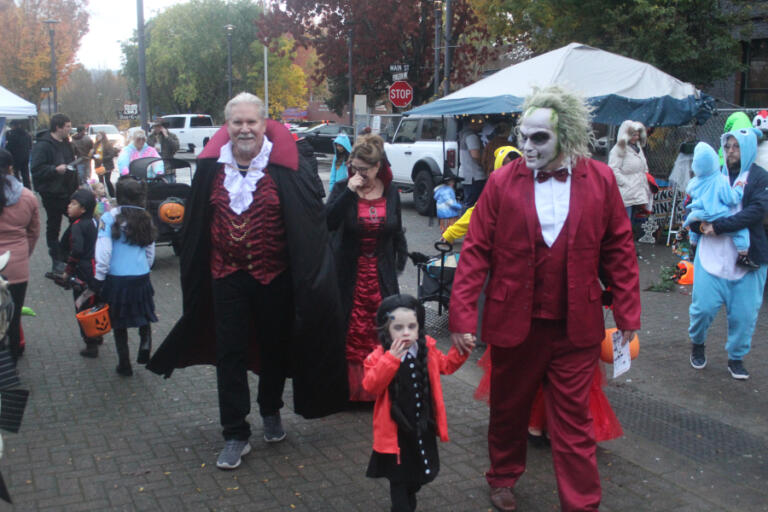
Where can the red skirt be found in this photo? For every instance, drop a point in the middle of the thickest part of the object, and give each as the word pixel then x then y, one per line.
pixel 606 423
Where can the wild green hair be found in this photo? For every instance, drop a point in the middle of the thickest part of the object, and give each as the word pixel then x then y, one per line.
pixel 571 118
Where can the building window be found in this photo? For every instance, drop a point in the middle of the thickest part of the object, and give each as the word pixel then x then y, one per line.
pixel 754 88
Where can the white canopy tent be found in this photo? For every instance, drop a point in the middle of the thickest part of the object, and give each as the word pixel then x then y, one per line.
pixel 618 87
pixel 13 106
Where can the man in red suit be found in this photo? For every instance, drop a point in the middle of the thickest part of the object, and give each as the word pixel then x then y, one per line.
pixel 546 226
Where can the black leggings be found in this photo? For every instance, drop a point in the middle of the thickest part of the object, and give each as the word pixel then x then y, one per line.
pixel 403 496
pixel 18 292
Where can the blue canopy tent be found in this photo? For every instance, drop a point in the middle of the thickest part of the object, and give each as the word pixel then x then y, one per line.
pixel 618 87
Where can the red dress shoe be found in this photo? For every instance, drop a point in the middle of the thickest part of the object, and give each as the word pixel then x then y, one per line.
pixel 503 498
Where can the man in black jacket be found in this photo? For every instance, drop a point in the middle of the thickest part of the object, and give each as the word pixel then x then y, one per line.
pixel 19 143
pixel 53 180
pixel 718 280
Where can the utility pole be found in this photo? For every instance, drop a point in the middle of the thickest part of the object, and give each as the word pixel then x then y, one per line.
pixel 350 84
pixel 51 32
pixel 143 102
pixel 448 23
pixel 266 70
pixel 438 16
pixel 229 29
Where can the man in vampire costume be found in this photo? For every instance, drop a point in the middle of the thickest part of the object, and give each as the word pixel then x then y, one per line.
pixel 258 280
pixel 546 226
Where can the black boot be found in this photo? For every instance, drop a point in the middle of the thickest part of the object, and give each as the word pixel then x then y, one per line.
pixel 91 349
pixel 123 358
pixel 145 345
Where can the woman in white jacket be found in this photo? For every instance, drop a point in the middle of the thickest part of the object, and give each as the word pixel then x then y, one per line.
pixel 628 163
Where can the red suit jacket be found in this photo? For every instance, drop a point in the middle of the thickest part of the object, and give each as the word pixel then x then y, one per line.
pixel 501 244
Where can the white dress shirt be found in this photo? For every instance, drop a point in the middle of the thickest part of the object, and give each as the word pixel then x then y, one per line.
pixel 553 199
pixel 241 188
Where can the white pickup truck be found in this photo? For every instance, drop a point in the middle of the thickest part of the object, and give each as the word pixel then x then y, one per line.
pixel 193 130
pixel 421 148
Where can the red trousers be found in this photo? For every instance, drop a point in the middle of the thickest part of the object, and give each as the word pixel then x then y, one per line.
pixel 566 371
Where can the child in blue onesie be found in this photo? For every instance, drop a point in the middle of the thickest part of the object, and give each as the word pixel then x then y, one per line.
pixel 712 197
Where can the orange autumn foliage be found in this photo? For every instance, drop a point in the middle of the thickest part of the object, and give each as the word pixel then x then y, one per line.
pixel 25 55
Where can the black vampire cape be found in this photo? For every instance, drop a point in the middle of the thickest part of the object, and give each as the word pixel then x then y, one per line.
pixel 316 342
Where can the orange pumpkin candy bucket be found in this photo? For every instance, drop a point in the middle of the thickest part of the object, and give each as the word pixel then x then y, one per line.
pixel 606 348
pixel 95 321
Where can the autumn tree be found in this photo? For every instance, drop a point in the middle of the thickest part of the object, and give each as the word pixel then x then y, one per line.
pixel 186 59
pixel 382 34
pixel 93 96
pixel 25 56
pixel 692 40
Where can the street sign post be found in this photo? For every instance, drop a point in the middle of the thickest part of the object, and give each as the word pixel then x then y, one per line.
pixel 401 94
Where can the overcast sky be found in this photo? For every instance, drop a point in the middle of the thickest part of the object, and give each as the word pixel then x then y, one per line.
pixel 111 22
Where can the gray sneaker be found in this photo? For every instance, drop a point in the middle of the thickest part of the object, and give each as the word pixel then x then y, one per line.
pixel 273 428
pixel 698 357
pixel 230 456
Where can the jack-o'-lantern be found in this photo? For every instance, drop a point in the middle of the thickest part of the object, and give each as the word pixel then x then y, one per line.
pixel 171 211
pixel 95 321
pixel 684 272
pixel 606 349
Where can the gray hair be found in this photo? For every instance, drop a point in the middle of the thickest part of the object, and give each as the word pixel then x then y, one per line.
pixel 138 134
pixel 245 97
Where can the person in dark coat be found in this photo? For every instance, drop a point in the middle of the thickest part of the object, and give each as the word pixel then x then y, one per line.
pixel 307 152
pixel 51 155
pixel 19 143
pixel 258 280
pixel 369 245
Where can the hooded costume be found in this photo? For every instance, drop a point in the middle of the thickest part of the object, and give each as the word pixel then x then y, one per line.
pixel 630 167
pixel 718 280
pixel 735 121
pixel 314 344
pixel 711 194
pixel 339 173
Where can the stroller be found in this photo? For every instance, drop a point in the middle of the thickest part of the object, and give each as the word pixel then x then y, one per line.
pixel 165 201
pixel 435 275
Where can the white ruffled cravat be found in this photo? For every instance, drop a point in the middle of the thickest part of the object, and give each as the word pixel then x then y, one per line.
pixel 241 188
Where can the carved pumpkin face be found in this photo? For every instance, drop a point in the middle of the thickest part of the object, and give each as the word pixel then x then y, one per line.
pixel 101 323
pixel 171 211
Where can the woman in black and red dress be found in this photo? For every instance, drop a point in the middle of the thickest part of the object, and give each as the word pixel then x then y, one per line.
pixel 368 240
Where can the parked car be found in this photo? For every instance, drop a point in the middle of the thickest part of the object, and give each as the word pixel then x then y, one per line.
pixel 421 148
pixel 321 136
pixel 113 134
pixel 193 130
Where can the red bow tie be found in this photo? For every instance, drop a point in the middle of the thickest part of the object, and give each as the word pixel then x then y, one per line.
pixel 559 175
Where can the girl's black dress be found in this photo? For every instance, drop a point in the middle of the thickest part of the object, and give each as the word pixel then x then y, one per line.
pixel 419 462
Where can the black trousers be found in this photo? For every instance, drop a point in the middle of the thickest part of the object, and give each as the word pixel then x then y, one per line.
pixel 55 209
pixel 403 495
pixel 246 310
pixel 472 192
pixel 106 180
pixel 21 170
pixel 18 291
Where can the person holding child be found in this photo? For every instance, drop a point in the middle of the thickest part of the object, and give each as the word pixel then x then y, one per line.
pixel 403 373
pixel 368 241
pixel 712 197
pixel 125 251
pixel 77 246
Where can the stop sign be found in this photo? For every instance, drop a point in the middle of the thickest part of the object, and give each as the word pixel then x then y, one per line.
pixel 401 93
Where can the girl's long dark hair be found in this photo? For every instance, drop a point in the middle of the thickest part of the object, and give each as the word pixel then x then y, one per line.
pixel 383 320
pixel 135 223
pixel 107 151
pixel 6 161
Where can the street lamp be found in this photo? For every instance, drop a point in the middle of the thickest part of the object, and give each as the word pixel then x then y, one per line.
pixel 229 28
pixel 51 33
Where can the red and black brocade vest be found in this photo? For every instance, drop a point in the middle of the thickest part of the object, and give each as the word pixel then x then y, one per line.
pixel 253 241
pixel 550 284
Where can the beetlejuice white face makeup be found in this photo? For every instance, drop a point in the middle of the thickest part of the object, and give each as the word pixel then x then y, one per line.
pixel 538 139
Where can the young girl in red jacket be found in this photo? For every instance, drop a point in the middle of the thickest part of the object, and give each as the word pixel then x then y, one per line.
pixel 409 414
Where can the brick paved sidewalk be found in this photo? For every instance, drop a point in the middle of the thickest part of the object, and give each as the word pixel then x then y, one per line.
pixel 92 440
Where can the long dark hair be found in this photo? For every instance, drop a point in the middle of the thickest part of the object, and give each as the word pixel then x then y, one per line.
pixel 6 161
pixel 383 321
pixel 107 151
pixel 134 222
